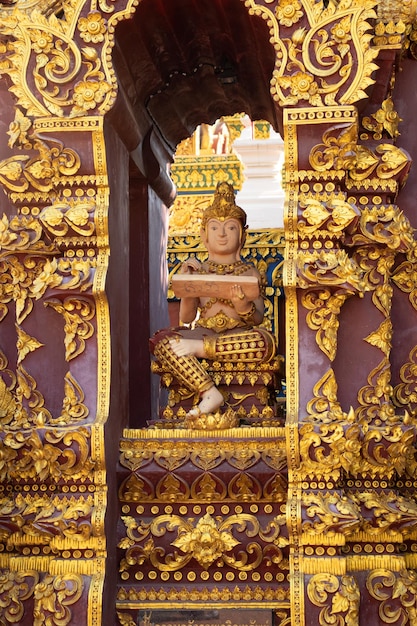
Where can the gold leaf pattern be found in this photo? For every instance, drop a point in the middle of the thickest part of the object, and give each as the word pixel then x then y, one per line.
pixel 25 344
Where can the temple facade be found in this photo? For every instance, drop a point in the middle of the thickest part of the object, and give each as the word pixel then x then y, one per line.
pixel 114 116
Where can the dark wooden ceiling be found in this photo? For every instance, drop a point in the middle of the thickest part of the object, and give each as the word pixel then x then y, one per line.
pixel 181 63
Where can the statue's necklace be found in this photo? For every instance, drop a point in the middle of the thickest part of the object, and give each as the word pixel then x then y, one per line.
pixel 237 268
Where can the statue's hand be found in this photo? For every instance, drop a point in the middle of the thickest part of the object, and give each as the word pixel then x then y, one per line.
pixel 240 301
pixel 190 266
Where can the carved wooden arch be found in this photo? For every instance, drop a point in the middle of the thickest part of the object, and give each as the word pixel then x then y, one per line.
pixel 54 247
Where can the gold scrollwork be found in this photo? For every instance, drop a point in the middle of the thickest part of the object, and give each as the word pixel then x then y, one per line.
pixel 386 451
pixel 20 233
pixel 405 393
pixel 385 225
pixel 207 541
pixel 41 519
pixel 27 281
pixel 322 450
pixel 343 605
pixel 330 513
pixel 73 408
pixel 332 268
pixel 30 403
pixel 385 119
pixel 374 514
pixel 54 456
pixel 341 151
pixel 326 449
pixel 324 406
pixel 405 278
pixel 77 313
pixel 60 218
pixel 324 308
pixel 54 595
pixel 41 172
pixel 125 619
pixel 320 57
pixel 334 215
pixel 391 513
pixel 375 397
pixel 337 150
pixel 387 162
pixel 65 80
pixel 16 587
pixel 396 593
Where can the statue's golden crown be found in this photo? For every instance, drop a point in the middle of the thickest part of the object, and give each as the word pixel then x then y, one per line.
pixel 224 206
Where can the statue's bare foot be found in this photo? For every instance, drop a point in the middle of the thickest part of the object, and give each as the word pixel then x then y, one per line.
pixel 186 347
pixel 211 400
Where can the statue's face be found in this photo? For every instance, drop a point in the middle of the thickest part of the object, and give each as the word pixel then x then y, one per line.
pixel 223 237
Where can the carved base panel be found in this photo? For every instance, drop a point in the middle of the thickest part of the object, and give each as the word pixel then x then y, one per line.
pixel 202 521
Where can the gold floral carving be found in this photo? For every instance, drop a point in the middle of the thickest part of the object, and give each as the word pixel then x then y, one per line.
pixel 136 454
pixel 73 408
pixel 385 119
pixel 125 619
pixel 333 517
pixel 396 593
pixel 386 162
pixel 337 150
pixel 385 225
pixel 337 598
pixel 54 595
pixel 391 513
pixel 22 405
pixel 335 215
pixel 324 407
pixel 30 403
pixel 42 172
pixel 340 151
pixel 322 449
pixel 331 268
pixel 324 308
pixel 381 338
pixel 61 218
pixel 375 398
pixel 207 540
pixel 315 62
pixel 25 281
pixel 381 452
pixel 40 519
pixel 19 234
pixel 15 588
pixel 329 514
pixel 25 344
pixel 77 313
pixel 405 393
pixel 405 278
pixel 51 455
pixel 66 80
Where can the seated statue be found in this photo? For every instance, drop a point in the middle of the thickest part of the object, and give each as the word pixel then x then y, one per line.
pixel 221 328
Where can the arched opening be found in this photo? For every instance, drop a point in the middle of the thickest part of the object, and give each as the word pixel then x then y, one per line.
pixel 178 65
